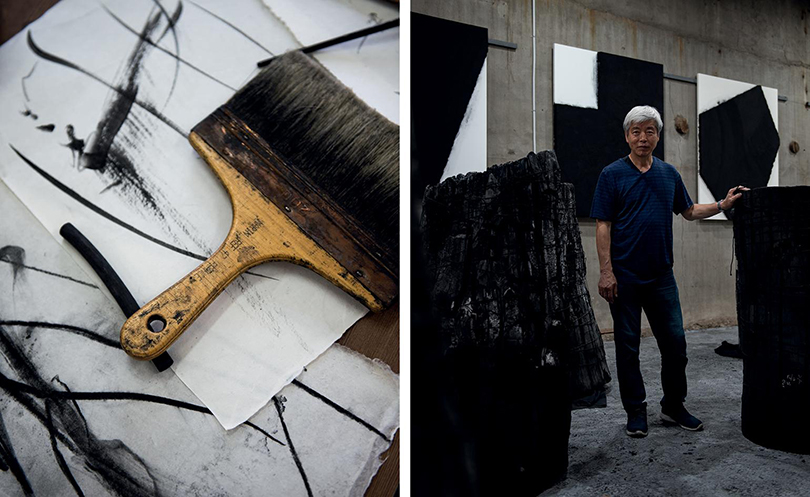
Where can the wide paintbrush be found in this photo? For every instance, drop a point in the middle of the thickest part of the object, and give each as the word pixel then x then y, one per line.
pixel 313 176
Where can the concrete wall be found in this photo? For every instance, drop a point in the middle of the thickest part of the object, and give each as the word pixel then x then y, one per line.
pixel 763 43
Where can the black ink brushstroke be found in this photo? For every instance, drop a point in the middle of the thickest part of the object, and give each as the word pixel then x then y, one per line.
pixel 22 81
pixel 75 145
pixel 120 106
pixel 232 26
pixel 101 212
pixel 75 403
pixel 47 127
pixel 76 330
pixel 188 64
pixel 27 113
pixel 340 409
pixel 60 459
pixel 280 409
pixel 116 466
pixel 32 268
pixel 133 396
pixel 373 18
pixel 58 60
pixel 15 256
pixel 111 185
pixel 148 107
pixel 103 153
pixel 10 462
pixel 11 385
pixel 171 23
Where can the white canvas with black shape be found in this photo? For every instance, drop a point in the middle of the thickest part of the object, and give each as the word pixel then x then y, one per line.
pixel 738 139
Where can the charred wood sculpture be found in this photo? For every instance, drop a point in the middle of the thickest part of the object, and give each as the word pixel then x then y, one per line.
pixel 515 326
pixel 772 244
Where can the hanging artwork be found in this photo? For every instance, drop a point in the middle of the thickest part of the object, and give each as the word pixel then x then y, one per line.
pixel 593 91
pixel 449 106
pixel 738 137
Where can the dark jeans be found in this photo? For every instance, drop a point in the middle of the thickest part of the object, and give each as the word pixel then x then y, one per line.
pixel 660 302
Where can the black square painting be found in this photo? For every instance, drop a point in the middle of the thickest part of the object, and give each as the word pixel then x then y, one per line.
pixel 447 57
pixel 586 140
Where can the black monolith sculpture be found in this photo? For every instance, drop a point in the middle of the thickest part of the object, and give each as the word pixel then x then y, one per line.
pixel 772 244
pixel 515 326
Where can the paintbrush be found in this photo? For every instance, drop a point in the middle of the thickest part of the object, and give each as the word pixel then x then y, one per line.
pixel 313 176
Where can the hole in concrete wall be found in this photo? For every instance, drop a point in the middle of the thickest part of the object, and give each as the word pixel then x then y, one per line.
pixel 681 125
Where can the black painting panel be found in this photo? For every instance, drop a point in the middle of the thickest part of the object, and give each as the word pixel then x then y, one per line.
pixel 738 143
pixel 587 140
pixel 446 59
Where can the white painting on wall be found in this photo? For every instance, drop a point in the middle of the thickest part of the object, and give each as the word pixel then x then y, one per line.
pixel 738 139
pixel 575 77
pixel 469 152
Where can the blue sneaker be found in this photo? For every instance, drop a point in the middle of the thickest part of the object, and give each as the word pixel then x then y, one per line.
pixel 678 415
pixel 637 423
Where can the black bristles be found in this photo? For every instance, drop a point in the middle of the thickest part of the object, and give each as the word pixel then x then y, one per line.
pixel 321 128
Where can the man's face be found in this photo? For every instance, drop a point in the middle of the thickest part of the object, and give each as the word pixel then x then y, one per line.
pixel 642 138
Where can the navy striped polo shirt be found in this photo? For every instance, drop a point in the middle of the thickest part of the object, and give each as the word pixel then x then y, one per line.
pixel 640 207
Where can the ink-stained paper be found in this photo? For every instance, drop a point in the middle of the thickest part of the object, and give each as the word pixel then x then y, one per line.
pixel 78 418
pixel 96 102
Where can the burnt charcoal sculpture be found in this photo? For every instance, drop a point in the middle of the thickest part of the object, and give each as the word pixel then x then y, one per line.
pixel 772 243
pixel 512 315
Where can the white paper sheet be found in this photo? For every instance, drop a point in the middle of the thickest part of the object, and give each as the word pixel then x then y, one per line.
pixel 120 428
pixel 156 191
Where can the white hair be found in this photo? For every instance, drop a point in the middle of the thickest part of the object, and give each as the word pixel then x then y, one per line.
pixel 642 114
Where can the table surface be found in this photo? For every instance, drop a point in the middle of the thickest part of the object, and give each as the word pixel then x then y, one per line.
pixel 376 335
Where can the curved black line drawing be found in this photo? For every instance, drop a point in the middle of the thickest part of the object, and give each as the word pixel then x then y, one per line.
pixel 76 330
pixel 342 410
pixel 293 453
pixel 22 81
pixel 180 60
pixel 172 21
pixel 19 387
pixel 231 26
pixel 49 273
pixel 144 105
pixel 101 212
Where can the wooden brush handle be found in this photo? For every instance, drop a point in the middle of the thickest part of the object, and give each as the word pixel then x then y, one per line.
pixel 176 308
pixel 260 232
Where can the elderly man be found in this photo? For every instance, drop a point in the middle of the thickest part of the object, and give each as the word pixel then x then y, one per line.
pixel 633 206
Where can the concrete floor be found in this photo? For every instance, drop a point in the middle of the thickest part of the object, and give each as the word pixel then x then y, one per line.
pixel 604 461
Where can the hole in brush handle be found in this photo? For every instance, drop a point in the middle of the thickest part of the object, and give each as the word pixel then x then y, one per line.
pixel 156 323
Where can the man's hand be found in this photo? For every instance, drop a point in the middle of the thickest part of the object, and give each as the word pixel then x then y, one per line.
pixel 608 288
pixel 732 196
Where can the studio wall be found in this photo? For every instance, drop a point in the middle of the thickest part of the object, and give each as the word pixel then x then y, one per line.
pixel 741 41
